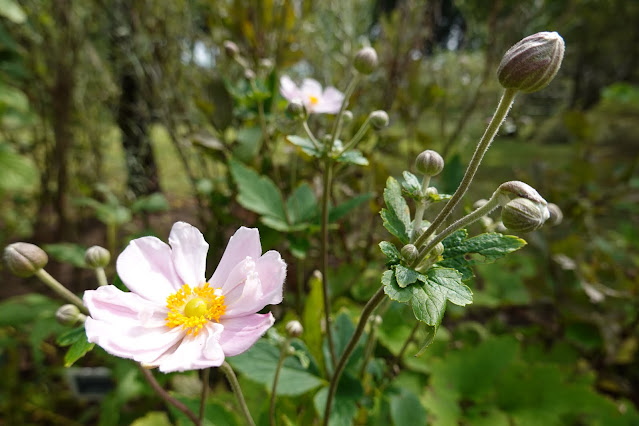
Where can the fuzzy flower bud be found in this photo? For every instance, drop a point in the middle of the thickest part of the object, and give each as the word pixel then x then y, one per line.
pixel 429 163
pixel 532 63
pixel 69 315
pixel 294 328
pixel 523 215
pixel 556 215
pixel 231 49
pixel 295 109
pixel 409 252
pixel 97 257
pixel 519 189
pixel 24 259
pixel 379 119
pixel 438 250
pixel 366 60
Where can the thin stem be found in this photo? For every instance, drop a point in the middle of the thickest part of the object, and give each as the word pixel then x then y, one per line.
pixel 311 136
pixel 328 175
pixel 352 343
pixel 101 276
pixel 60 290
pixel 166 396
pixel 501 112
pixel 283 354
pixel 421 208
pixel 368 349
pixel 205 391
pixel 400 355
pixel 358 136
pixel 235 385
pixel 490 205
pixel 338 120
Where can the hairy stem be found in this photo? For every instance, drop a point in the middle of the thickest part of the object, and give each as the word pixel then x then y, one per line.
pixel 60 290
pixel 101 276
pixel 235 385
pixel 420 209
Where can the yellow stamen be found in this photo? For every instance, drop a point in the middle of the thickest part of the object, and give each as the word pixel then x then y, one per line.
pixel 314 100
pixel 191 309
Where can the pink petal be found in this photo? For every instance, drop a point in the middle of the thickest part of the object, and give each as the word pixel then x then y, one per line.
pixel 194 352
pixel 188 252
pixel 245 242
pixel 241 333
pixel 114 306
pixel 331 101
pixel 146 268
pixel 311 87
pixel 257 284
pixel 288 89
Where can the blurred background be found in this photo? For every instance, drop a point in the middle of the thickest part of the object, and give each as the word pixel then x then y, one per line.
pixel 118 118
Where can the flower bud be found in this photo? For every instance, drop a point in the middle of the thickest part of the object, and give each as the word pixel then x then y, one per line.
pixel 438 250
pixel 532 63
pixel 24 259
pixel 295 109
pixel 294 328
pixel 249 74
pixel 429 163
pixel 97 257
pixel 347 117
pixel 379 119
pixel 523 215
pixel 366 60
pixel 69 315
pixel 556 215
pixel 409 252
pixel 431 192
pixel 231 49
pixel 520 189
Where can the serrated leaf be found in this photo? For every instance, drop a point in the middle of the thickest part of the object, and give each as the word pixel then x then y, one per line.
pixel 257 193
pixel 428 303
pixel 451 280
pixel 412 185
pixel 305 144
pixel 77 350
pixel 302 205
pixel 396 216
pixel 341 210
pixel 405 276
pixel 353 156
pixel 394 291
pixel 430 337
pixel 391 252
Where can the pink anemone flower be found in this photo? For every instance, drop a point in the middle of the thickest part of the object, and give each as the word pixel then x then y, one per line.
pixel 315 100
pixel 175 319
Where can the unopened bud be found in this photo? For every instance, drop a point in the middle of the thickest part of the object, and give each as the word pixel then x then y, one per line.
pixel 97 257
pixel 231 49
pixel 295 109
pixel 249 74
pixel 523 215
pixel 294 328
pixel 69 315
pixel 409 252
pixel 379 119
pixel 431 192
pixel 429 163
pixel 266 64
pixel 519 189
pixel 366 60
pixel 532 63
pixel 556 215
pixel 438 249
pixel 347 117
pixel 24 259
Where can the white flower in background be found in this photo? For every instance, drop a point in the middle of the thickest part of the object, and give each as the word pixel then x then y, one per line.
pixel 310 93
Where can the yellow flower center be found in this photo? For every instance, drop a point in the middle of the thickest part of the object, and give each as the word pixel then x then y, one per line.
pixel 191 309
pixel 314 100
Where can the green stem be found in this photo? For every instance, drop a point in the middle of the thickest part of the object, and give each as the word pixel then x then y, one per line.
pixel 280 363
pixel 311 136
pixel 205 392
pixel 400 355
pixel 328 175
pixel 235 385
pixel 421 208
pixel 368 349
pixel 358 136
pixel 101 276
pixel 60 290
pixel 501 112
pixel 338 120
pixel 352 343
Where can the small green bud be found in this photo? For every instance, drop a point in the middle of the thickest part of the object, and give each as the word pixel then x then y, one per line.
pixel 24 259
pixel 429 163
pixel 294 328
pixel 409 252
pixel 366 60
pixel 438 250
pixel 97 257
pixel 347 117
pixel 379 119
pixel 231 49
pixel 431 191
pixel 523 215
pixel 532 63
pixel 556 215
pixel 295 109
pixel 69 315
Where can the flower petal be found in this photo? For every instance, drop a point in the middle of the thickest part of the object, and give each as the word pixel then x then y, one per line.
pixel 194 352
pixel 241 333
pixel 245 242
pixel 311 87
pixel 288 89
pixel 188 252
pixel 146 268
pixel 331 101
pixel 114 306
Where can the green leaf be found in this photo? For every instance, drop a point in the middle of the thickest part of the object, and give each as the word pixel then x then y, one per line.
pixel 257 193
pixel 312 316
pixel 17 172
pixel 428 303
pixel 77 350
pixel 341 210
pixel 11 10
pixel 344 408
pixel 393 290
pixel 353 156
pixel 302 205
pixel 259 363
pixel 153 418
pixel 71 336
pixel 249 143
pixel 412 186
pixel 305 144
pixel 450 280
pixel 406 410
pixel 396 216
pixel 430 337
pixel 391 252
pixel 152 203
pixel 461 252
pixel 405 276
pixel 66 253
